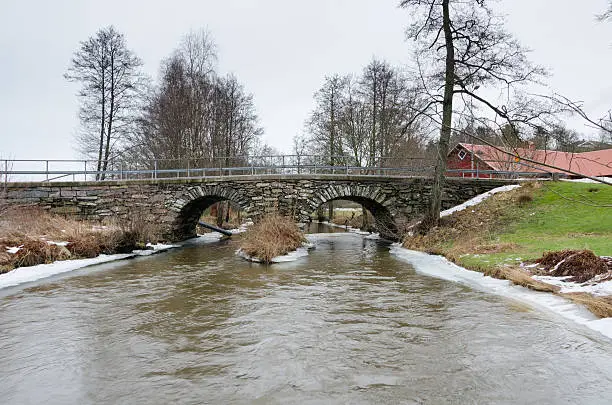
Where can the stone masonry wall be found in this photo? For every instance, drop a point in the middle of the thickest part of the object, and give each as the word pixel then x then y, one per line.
pixel 175 204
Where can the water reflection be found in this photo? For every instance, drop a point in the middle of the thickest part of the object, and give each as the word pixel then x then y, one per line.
pixel 348 324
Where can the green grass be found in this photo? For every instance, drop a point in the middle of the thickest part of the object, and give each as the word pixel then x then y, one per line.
pixel 490 260
pixel 558 218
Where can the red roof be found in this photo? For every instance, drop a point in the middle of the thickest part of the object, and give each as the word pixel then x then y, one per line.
pixel 598 163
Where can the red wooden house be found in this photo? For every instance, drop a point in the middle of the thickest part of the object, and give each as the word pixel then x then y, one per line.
pixel 470 160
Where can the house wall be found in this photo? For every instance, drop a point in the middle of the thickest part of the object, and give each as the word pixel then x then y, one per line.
pixel 455 163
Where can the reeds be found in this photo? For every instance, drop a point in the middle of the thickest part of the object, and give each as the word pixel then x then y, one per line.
pixel 273 235
pixel 31 229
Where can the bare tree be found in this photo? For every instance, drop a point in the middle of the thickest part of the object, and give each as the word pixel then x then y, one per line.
pixel 602 124
pixel 465 47
pixel 194 117
pixel 110 79
pixel 606 15
pixel 369 117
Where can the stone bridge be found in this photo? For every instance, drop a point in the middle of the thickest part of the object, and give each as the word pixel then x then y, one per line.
pixel 176 204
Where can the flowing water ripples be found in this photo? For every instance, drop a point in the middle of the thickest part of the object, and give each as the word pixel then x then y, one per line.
pixel 347 324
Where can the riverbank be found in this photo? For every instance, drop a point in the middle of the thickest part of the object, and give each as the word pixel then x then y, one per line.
pixel 31 236
pixel 505 234
pixel 442 268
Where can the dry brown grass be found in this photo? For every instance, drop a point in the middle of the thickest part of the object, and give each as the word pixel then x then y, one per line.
pixel 31 228
pixel 600 306
pixel 522 278
pixel 35 252
pixel 273 235
pixel 34 223
pixel 470 227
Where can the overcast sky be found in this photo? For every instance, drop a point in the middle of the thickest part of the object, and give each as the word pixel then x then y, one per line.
pixel 279 49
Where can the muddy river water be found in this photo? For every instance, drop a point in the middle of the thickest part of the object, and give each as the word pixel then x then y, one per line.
pixel 349 324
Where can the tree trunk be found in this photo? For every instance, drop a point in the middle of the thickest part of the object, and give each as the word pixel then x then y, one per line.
pixel 320 216
pixel 219 214
pixel 332 141
pixel 110 115
pixel 102 124
pixel 447 121
pixel 364 219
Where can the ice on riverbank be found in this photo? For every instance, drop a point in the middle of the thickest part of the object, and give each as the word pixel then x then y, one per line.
pixel 592 286
pixel 28 274
pixel 440 267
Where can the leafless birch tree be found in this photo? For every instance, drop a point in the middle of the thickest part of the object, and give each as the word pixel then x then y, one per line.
pixel 110 78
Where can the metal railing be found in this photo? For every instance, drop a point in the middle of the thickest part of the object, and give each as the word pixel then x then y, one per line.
pixel 29 170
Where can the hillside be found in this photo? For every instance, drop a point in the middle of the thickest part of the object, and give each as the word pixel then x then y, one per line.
pixel 523 224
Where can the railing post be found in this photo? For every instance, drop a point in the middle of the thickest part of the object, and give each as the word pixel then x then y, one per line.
pixel 121 170
pixel 47 169
pixel 155 169
pixel 85 171
pixel 5 175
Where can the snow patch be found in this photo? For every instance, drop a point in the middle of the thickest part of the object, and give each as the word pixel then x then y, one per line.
pixel 608 179
pixel 603 288
pixel 14 249
pixel 478 199
pixel 440 267
pixel 50 242
pixel 28 274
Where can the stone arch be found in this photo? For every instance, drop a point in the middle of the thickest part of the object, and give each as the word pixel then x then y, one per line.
pixel 373 198
pixel 190 205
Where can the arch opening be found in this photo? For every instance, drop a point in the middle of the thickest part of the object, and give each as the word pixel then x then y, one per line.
pixel 358 212
pixel 186 223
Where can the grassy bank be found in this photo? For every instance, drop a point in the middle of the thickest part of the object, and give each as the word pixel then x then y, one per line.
pixel 523 223
pixel 273 235
pixel 507 229
pixel 37 237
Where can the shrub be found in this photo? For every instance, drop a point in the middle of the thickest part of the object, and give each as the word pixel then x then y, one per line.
pixel 524 199
pixel 86 247
pixel 274 235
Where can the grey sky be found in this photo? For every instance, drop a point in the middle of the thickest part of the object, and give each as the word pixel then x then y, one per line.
pixel 279 49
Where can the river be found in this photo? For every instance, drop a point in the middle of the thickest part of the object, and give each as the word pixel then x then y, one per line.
pixel 349 324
